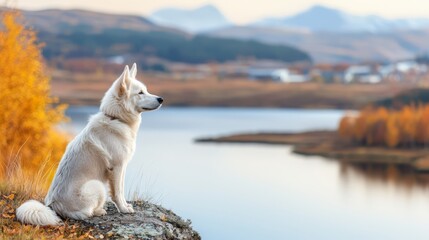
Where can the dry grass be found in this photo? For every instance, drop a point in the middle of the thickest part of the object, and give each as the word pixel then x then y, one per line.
pixel 17 189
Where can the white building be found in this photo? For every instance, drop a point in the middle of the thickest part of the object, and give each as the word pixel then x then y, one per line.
pixel 362 74
pixel 275 74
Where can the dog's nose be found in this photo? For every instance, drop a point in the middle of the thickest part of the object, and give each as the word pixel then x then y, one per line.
pixel 160 100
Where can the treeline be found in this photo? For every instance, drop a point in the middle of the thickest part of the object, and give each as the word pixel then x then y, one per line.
pixel 165 45
pixel 407 98
pixel 405 127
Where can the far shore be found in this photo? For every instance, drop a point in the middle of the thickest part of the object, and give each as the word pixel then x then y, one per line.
pixel 329 145
pixel 77 88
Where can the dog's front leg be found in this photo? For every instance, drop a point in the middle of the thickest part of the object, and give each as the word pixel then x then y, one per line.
pixel 117 189
pixel 122 187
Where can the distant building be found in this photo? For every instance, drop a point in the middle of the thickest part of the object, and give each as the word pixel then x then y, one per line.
pixel 403 70
pixel 275 74
pixel 362 74
pixel 327 73
pixel 408 66
pixel 116 59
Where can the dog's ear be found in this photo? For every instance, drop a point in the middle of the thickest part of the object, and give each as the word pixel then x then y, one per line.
pixel 133 71
pixel 124 82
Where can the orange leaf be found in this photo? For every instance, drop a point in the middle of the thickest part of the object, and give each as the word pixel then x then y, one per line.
pixel 10 197
pixel 5 215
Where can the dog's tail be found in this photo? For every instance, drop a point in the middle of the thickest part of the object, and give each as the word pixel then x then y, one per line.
pixel 35 213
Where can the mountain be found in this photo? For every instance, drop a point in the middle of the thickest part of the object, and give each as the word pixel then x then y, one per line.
pixel 196 20
pixel 320 18
pixel 63 21
pixel 86 34
pixel 352 47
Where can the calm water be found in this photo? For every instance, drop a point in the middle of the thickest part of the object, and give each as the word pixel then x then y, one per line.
pixel 235 191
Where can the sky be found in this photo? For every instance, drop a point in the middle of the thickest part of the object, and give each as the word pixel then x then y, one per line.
pixel 241 11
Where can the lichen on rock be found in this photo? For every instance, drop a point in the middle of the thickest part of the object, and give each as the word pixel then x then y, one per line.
pixel 149 221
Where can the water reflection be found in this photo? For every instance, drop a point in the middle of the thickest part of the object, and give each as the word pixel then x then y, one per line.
pixel 402 177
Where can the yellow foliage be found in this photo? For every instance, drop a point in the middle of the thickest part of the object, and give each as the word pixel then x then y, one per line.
pixel 28 119
pixel 392 132
pixel 346 126
pixel 408 126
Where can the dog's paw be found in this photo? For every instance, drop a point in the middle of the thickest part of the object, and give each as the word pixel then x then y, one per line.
pixel 130 208
pixel 100 212
pixel 127 209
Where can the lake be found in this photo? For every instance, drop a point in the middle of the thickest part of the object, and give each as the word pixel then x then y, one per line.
pixel 250 191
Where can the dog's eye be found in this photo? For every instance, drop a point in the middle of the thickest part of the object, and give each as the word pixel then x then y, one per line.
pixel 141 92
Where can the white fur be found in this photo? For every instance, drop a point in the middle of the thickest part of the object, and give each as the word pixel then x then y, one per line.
pixel 97 157
pixel 36 213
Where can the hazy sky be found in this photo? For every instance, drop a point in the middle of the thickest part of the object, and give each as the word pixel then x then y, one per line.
pixel 242 11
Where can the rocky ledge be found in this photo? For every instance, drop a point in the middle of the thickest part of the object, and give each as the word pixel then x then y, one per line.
pixel 149 221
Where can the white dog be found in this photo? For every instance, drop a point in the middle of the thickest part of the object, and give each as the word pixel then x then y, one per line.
pixel 96 158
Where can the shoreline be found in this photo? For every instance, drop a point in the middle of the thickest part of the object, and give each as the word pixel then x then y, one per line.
pixel 80 88
pixel 328 144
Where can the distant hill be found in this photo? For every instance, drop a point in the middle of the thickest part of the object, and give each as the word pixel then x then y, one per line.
pixel 67 32
pixel 320 18
pixel 162 45
pixel 338 47
pixel 332 35
pixel 86 34
pixel 68 21
pixel 201 19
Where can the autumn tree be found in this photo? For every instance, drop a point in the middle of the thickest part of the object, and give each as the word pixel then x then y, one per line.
pixel 28 117
pixel 408 127
pixel 392 132
pixel 407 121
pixel 423 126
pixel 345 128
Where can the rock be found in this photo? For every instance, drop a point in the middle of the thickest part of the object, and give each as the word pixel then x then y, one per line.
pixel 149 221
